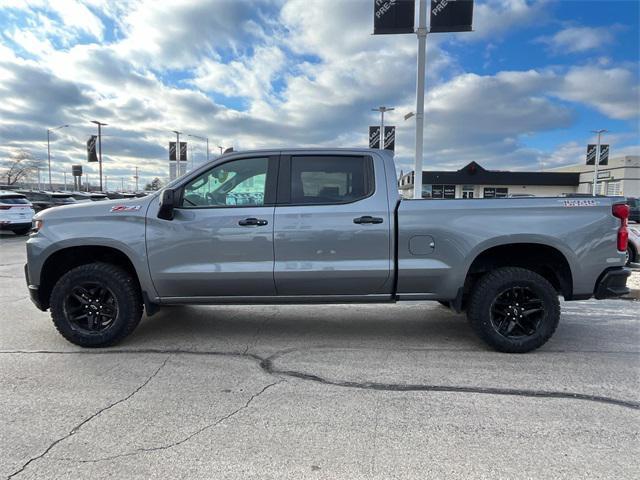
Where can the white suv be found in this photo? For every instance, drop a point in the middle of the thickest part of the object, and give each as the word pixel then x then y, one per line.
pixel 16 212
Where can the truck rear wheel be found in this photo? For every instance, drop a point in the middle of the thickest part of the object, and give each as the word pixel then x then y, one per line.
pixel 514 310
pixel 96 305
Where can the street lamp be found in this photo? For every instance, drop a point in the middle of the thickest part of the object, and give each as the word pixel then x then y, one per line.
pixel 206 139
pixel 382 110
pixel 221 149
pixel 49 130
pixel 100 125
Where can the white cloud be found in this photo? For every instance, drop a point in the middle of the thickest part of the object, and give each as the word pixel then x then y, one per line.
pixel 306 72
pixel 579 39
pixel 612 91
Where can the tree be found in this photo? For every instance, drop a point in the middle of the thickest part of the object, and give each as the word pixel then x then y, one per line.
pixel 18 167
pixel 155 184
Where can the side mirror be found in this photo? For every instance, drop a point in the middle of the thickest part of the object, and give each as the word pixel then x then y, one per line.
pixel 167 204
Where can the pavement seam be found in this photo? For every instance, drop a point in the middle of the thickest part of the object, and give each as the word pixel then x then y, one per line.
pixel 79 426
pixel 181 441
pixel 267 365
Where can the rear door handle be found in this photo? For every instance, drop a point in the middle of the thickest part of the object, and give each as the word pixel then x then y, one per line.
pixel 367 219
pixel 252 221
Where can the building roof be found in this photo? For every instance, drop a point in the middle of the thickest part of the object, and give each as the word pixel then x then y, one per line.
pixel 474 174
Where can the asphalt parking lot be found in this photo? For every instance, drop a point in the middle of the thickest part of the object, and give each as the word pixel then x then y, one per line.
pixel 316 392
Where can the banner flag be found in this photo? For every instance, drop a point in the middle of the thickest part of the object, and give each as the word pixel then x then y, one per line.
pixel 91 149
pixel 172 151
pixel 390 138
pixel 393 16
pixel 604 155
pixel 451 16
pixel 183 151
pixel 374 137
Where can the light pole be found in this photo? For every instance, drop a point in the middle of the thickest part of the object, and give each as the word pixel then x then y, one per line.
pixel 596 163
pixel 49 130
pixel 100 125
pixel 206 139
pixel 136 177
pixel 221 149
pixel 421 32
pixel 382 110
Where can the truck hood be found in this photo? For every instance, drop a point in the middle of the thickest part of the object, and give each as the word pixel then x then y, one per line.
pixel 103 208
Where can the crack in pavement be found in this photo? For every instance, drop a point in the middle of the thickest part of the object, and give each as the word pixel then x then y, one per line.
pixel 181 441
pixel 77 428
pixel 254 339
pixel 268 366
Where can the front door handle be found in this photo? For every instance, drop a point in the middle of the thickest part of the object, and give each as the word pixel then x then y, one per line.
pixel 367 219
pixel 252 221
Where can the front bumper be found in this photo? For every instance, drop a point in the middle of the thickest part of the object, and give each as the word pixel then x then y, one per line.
pixel 14 225
pixel 33 290
pixel 612 283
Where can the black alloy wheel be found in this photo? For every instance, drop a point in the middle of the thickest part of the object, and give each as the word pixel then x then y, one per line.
pixel 517 312
pixel 91 308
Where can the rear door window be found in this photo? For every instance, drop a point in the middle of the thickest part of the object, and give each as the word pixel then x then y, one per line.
pixel 322 180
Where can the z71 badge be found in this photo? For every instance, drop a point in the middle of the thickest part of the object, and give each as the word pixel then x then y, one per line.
pixel 125 208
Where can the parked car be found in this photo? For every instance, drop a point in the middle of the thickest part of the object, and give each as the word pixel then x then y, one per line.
pixel 634 209
pixel 16 212
pixel 89 196
pixel 119 195
pixel 323 226
pixel 633 249
pixel 42 200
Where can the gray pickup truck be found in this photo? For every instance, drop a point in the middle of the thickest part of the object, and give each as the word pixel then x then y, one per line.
pixel 322 226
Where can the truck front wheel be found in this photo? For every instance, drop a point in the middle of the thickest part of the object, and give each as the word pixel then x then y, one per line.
pixel 514 310
pixel 96 305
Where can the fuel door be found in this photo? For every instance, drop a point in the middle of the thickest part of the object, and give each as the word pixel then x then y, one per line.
pixel 422 245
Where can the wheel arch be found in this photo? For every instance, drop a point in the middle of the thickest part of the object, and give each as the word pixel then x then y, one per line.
pixel 64 259
pixel 546 260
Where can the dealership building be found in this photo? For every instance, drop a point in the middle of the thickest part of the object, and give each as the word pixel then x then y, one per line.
pixel 620 177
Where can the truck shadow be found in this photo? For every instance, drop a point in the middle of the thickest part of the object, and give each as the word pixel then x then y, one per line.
pixel 269 327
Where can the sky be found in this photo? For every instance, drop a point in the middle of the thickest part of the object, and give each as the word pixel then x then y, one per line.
pixel 522 91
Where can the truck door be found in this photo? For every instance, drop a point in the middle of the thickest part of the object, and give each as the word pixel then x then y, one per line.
pixel 332 226
pixel 220 241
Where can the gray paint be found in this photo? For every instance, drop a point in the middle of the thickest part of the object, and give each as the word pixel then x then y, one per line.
pixel 317 253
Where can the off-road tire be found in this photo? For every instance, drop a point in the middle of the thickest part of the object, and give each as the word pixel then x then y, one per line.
pixel 490 287
pixel 125 291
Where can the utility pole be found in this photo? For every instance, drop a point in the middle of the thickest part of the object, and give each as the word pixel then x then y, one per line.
pixel 49 130
pixel 597 162
pixel 382 110
pixel 100 125
pixel 422 60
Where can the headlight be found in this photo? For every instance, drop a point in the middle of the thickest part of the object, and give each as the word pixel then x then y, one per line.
pixel 37 225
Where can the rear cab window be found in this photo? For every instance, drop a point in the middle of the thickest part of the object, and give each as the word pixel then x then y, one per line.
pixel 14 200
pixel 327 180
